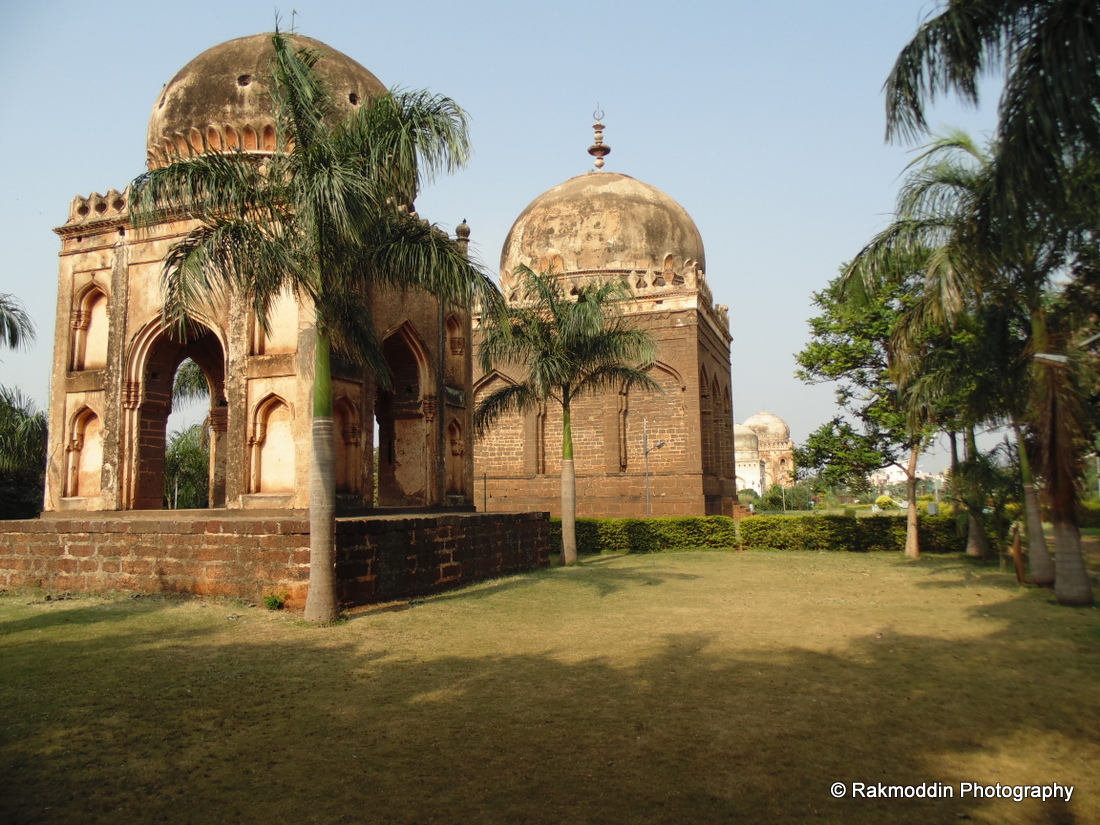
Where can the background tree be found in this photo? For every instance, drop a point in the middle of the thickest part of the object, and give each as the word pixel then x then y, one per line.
pixel 325 217
pixel 1048 132
pixel 850 345
pixel 187 468
pixel 571 346
pixel 22 455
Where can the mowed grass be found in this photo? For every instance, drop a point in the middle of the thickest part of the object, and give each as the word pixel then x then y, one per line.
pixel 712 687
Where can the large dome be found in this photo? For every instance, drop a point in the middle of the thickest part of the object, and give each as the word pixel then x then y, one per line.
pixel 602 221
pixel 769 427
pixel 221 100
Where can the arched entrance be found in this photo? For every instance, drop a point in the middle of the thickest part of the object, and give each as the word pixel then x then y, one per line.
pixel 403 478
pixel 154 359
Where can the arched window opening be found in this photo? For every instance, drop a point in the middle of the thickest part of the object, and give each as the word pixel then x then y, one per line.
pixel 89 337
pixel 272 447
pixel 345 417
pixel 84 453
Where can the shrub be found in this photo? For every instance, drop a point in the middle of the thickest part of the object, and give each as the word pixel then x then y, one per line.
pixel 832 533
pixel 885 502
pixel 639 535
pixel 275 602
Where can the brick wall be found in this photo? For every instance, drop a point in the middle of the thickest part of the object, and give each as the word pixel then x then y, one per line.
pixel 378 558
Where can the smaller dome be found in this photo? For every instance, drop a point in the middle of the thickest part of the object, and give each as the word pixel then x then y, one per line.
pixel 603 221
pixel 769 427
pixel 746 444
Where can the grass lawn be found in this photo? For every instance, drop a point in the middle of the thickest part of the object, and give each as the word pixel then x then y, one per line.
pixel 711 687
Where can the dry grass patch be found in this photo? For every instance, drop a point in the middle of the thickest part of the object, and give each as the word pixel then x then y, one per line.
pixel 694 687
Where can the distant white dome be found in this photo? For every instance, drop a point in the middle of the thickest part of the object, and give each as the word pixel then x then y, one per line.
pixel 746 444
pixel 769 427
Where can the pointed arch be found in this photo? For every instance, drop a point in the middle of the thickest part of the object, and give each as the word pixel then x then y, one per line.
pixel 84 454
pixel 346 418
pixel 404 415
pixel 152 357
pixel 90 321
pixel 271 446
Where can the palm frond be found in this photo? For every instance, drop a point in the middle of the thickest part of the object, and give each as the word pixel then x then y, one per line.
pixel 16 326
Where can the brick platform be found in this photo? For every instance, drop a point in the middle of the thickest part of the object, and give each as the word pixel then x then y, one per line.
pixel 379 558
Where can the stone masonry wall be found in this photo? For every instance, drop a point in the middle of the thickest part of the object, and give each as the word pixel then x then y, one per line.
pixel 378 558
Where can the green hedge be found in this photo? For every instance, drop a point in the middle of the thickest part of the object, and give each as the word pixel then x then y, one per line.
pixel 938 534
pixel 637 535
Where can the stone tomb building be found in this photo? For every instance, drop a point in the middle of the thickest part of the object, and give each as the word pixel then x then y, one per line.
pixel 609 225
pixel 104 527
pixel 115 361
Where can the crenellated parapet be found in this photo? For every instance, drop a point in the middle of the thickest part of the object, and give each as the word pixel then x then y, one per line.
pixel 114 207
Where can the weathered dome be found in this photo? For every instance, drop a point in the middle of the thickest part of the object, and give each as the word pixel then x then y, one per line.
pixel 769 427
pixel 221 100
pixel 746 444
pixel 603 221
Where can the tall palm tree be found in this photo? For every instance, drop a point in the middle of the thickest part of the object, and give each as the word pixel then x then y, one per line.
pixel 16 327
pixel 328 217
pixel 1004 273
pixel 1050 106
pixel 571 346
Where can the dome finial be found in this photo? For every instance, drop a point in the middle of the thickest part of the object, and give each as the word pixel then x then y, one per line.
pixel 598 150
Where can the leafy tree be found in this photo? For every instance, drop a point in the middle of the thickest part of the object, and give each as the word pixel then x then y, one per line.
pixel 1048 138
pixel 187 468
pixel 22 455
pixel 571 346
pixel 327 217
pixel 850 345
pixel 990 282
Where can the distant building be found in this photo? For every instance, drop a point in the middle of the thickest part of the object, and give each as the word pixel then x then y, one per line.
pixel 775 448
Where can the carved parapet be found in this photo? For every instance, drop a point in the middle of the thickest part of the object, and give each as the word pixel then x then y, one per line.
pixel 97 207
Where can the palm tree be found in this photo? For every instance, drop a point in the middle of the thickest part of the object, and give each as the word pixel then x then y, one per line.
pixel 1003 273
pixel 16 327
pixel 1050 106
pixel 187 468
pixel 328 217
pixel 571 346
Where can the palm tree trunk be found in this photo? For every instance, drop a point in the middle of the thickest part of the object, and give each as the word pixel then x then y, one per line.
pixel 912 519
pixel 321 602
pixel 977 544
pixel 1038 557
pixel 1071 580
pixel 568 491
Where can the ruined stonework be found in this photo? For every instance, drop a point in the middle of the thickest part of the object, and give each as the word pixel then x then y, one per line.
pixel 115 360
pixel 608 225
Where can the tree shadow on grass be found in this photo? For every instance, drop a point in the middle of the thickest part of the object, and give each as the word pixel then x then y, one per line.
pixel 359 723
pixel 594 573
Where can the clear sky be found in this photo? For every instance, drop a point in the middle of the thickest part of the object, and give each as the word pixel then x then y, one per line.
pixel 765 120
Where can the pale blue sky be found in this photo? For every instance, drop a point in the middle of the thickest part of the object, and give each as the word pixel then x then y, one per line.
pixel 765 120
